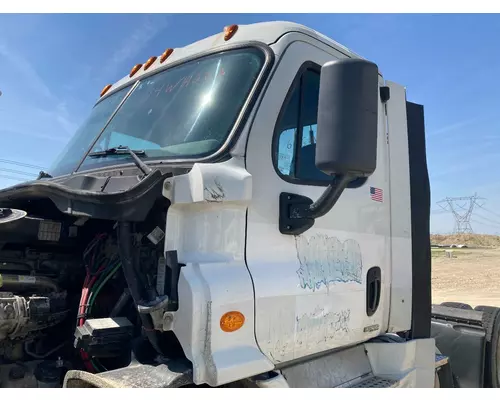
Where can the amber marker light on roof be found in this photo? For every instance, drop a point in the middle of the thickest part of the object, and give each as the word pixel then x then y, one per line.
pixel 232 321
pixel 105 90
pixel 166 54
pixel 150 62
pixel 134 70
pixel 229 31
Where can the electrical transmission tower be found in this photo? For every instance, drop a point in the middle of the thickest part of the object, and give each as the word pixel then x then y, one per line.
pixel 461 208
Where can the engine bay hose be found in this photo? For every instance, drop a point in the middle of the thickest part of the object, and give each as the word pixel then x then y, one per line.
pixel 22 282
pixel 125 246
pixel 120 304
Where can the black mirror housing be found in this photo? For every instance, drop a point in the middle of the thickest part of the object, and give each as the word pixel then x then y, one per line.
pixel 348 118
pixel 346 139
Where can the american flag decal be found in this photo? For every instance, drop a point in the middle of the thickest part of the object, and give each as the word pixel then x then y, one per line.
pixel 376 194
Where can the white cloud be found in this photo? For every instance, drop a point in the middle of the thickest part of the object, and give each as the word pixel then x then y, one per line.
pixel 64 119
pixel 30 76
pixel 31 108
pixel 140 36
pixel 34 110
pixel 465 165
pixel 460 124
pixel 451 127
pixel 34 134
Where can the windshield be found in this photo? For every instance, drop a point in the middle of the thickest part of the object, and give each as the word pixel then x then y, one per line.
pixel 184 112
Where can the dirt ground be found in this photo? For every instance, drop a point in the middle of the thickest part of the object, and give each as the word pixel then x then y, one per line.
pixel 471 276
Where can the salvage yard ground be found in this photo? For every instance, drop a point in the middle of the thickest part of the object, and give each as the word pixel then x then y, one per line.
pixel 472 275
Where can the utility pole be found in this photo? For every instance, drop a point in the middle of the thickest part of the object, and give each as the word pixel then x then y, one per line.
pixel 461 208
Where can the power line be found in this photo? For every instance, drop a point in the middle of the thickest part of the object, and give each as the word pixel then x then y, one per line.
pixel 488 225
pixel 438 212
pixel 488 219
pixel 15 178
pixel 485 221
pixel 21 164
pixel 16 171
pixel 487 210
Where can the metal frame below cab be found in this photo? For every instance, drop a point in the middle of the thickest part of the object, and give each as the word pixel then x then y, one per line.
pixel 420 224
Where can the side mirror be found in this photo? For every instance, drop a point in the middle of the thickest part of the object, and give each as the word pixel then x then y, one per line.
pixel 346 141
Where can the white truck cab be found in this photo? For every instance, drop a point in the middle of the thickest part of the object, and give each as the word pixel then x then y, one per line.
pixel 279 184
pixel 345 280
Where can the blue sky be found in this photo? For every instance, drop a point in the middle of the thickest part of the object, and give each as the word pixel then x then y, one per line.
pixel 52 68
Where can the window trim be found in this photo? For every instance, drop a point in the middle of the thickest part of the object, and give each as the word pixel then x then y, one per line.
pixel 306 66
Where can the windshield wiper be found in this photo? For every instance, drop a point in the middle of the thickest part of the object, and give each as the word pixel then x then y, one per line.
pixel 121 150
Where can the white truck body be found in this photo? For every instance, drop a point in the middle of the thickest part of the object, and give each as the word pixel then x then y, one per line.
pixel 301 295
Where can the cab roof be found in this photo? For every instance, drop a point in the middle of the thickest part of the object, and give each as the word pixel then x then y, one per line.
pixel 264 32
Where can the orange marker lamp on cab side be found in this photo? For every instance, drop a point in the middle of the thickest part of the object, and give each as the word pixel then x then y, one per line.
pixel 232 321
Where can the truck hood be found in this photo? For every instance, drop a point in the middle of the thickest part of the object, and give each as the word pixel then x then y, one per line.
pixel 110 195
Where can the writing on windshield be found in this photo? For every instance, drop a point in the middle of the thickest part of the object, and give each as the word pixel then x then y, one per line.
pixel 184 112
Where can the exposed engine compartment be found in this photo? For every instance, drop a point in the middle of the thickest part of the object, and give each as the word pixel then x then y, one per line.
pixel 79 293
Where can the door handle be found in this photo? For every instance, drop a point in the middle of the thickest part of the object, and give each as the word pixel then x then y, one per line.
pixel 373 289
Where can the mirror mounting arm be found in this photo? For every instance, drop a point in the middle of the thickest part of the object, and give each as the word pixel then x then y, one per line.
pixel 298 213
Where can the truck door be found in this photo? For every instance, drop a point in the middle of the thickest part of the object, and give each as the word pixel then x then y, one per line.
pixel 328 287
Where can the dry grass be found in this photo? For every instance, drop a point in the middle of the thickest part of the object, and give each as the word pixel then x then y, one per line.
pixel 471 240
pixel 472 276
